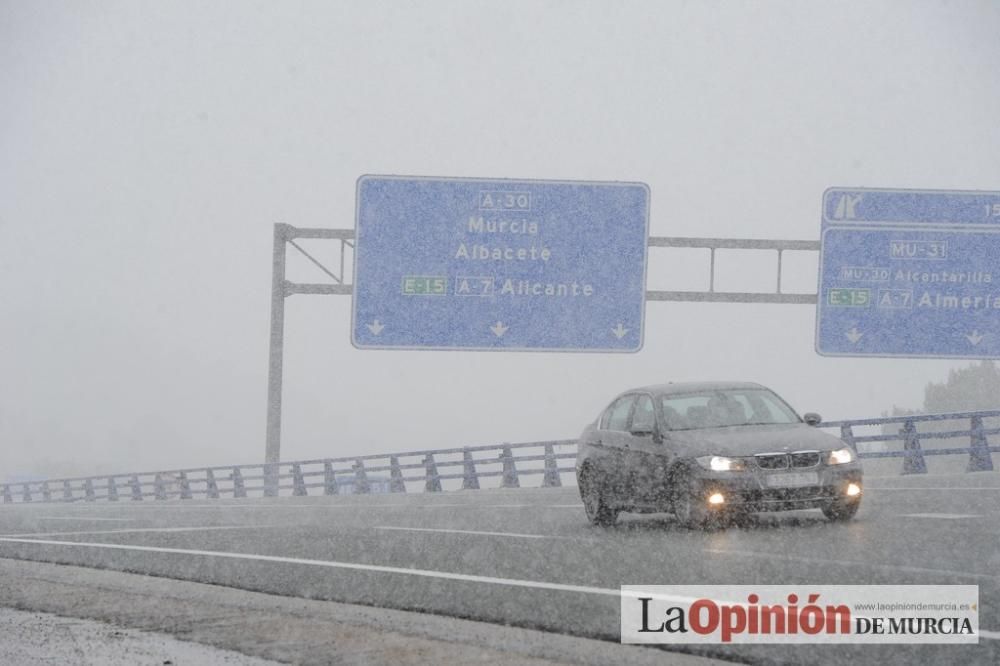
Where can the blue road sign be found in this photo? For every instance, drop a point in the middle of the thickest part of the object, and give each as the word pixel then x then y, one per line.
pixel 912 273
pixel 450 263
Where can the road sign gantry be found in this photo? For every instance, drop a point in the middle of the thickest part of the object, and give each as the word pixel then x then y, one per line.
pixel 620 255
pixel 511 265
pixel 909 273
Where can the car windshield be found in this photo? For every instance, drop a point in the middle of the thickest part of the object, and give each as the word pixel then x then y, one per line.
pixel 724 408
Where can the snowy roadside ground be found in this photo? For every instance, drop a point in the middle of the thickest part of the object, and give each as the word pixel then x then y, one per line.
pixel 283 629
pixel 41 639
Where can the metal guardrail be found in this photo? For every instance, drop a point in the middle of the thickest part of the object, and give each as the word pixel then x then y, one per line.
pixel 330 476
pixel 391 472
pixel 979 449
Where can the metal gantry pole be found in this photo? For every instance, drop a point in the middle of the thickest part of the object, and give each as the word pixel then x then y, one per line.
pixel 272 453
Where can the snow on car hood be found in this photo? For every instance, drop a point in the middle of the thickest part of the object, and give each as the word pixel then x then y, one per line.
pixel 750 440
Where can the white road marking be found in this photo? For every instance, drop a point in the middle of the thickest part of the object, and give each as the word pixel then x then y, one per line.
pixel 850 563
pixel 516 535
pixel 947 516
pixel 964 475
pixel 201 528
pixel 298 506
pixel 88 518
pixel 525 506
pixel 718 551
pixel 930 488
pixel 261 506
pixel 354 566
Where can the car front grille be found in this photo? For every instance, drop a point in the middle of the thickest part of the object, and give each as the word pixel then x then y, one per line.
pixel 772 461
pixel 796 460
pixel 804 459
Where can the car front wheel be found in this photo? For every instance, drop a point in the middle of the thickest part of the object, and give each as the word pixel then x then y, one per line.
pixel 840 511
pixel 599 510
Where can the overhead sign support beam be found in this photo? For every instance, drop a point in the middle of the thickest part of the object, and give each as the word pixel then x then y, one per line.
pixel 713 296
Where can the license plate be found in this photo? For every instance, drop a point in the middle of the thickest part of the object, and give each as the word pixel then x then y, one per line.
pixel 793 480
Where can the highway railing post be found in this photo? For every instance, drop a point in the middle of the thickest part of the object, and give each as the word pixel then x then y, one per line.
pixel 298 481
pixel 159 487
pixel 470 480
pixel 509 475
pixel 847 436
pixel 136 488
pixel 396 482
pixel 433 481
pixel 361 485
pixel 913 462
pixel 26 493
pixel 88 490
pixel 551 477
pixel 211 485
pixel 7 498
pixel 46 492
pixel 67 491
pixel 980 459
pixel 182 479
pixel 239 488
pixel 112 489
pixel 329 479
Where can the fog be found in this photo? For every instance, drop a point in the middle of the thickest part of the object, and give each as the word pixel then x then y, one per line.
pixel 147 149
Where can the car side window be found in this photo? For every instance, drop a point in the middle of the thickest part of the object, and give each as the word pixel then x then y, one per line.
pixel 644 418
pixel 605 417
pixel 618 414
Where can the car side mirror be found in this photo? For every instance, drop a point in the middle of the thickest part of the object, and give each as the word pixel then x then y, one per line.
pixel 812 418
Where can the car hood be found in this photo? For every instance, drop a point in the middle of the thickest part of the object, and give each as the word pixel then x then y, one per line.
pixel 751 440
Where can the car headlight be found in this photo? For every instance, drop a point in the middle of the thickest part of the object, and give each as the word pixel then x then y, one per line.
pixel 841 456
pixel 720 463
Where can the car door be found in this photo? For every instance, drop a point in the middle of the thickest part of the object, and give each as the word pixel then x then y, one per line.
pixel 612 442
pixel 645 454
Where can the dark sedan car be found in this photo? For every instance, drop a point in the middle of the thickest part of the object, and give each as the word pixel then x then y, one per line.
pixel 711 452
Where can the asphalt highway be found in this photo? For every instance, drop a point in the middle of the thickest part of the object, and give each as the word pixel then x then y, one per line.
pixel 528 558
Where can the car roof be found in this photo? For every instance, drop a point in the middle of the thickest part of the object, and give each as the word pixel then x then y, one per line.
pixel 693 387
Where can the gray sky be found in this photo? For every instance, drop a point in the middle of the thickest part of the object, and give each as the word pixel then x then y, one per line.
pixel 147 148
